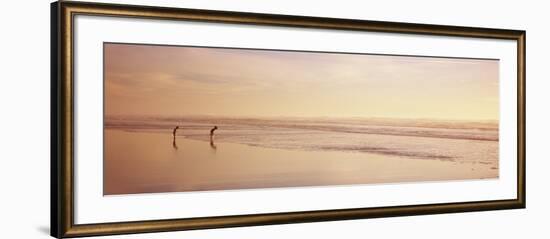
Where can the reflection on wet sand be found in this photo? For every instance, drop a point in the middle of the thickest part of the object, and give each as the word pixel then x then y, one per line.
pixel 174 145
pixel 174 134
pixel 212 144
pixel 142 162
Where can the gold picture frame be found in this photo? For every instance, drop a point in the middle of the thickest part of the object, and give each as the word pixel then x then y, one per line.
pixel 62 121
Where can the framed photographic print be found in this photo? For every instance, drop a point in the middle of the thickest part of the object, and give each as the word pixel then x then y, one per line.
pixel 170 119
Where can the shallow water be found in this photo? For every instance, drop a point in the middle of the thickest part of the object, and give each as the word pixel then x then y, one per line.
pixel 141 157
pixel 440 140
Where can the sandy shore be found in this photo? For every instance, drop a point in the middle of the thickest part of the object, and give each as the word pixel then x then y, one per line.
pixel 139 162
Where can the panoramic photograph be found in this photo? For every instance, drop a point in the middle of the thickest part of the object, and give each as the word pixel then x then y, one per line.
pixel 189 118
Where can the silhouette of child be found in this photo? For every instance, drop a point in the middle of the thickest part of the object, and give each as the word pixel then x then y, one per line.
pixel 174 132
pixel 212 131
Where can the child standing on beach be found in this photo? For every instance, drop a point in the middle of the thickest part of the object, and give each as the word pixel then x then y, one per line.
pixel 212 132
pixel 174 131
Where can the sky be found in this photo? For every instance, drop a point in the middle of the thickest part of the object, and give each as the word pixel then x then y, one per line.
pixel 157 80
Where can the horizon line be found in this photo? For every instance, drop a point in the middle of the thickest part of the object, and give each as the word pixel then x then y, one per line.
pixel 299 117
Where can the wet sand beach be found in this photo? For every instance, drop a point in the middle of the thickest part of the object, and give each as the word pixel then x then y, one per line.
pixel 145 159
